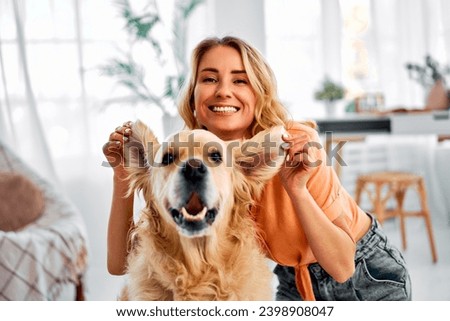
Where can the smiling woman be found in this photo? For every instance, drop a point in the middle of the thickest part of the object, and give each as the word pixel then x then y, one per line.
pixel 224 100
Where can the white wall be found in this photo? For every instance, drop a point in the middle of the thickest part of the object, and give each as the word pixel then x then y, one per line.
pixel 244 19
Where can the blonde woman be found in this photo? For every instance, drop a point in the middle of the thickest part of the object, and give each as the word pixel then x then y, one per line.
pixel 325 246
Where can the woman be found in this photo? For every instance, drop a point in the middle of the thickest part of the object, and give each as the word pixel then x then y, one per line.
pixel 326 247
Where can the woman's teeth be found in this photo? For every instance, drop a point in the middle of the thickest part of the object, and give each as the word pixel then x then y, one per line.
pixel 225 109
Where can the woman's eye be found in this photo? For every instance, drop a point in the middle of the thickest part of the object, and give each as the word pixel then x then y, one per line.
pixel 216 157
pixel 168 158
pixel 209 79
pixel 241 81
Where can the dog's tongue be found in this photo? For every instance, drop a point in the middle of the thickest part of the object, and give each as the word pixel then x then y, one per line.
pixel 194 206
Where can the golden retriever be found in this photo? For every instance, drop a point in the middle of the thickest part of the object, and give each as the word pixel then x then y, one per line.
pixel 195 239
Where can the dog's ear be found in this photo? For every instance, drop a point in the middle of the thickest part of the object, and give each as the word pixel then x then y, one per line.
pixel 139 152
pixel 261 157
pixel 141 147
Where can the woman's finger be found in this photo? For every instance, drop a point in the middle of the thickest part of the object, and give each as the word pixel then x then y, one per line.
pixel 115 136
pixel 305 156
pixel 128 124
pixel 123 130
pixel 296 146
pixel 111 146
pixel 121 134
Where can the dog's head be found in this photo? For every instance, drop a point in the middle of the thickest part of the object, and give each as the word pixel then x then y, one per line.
pixel 194 178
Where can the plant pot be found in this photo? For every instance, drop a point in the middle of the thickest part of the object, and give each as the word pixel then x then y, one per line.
pixel 330 108
pixel 437 98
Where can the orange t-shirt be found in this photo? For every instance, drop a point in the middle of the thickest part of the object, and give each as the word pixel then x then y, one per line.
pixel 282 235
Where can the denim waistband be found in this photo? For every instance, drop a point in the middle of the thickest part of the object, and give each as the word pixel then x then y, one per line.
pixel 367 244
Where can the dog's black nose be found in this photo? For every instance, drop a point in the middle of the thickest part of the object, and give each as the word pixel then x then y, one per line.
pixel 193 169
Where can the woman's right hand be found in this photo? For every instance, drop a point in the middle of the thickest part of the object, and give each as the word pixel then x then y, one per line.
pixel 113 149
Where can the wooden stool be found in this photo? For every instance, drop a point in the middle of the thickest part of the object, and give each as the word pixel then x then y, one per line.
pixel 397 184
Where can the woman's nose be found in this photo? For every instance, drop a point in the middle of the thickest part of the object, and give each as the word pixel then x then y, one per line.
pixel 223 90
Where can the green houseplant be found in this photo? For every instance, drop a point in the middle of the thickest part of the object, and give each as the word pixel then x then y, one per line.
pixel 130 74
pixel 428 73
pixel 329 92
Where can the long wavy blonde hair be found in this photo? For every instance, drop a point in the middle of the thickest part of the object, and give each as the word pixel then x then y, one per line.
pixel 269 111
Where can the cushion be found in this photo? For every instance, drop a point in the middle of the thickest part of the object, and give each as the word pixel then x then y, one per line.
pixel 21 201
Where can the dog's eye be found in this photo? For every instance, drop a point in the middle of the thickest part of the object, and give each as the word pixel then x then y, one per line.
pixel 168 158
pixel 216 157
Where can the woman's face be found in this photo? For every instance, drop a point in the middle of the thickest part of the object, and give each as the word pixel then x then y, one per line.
pixel 224 100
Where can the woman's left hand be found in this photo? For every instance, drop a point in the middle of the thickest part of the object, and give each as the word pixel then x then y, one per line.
pixel 303 156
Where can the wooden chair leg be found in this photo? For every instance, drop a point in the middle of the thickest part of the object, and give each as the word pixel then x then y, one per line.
pixel 400 197
pixel 427 217
pixel 379 205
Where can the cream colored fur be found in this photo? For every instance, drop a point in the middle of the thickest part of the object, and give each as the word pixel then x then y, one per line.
pixel 223 262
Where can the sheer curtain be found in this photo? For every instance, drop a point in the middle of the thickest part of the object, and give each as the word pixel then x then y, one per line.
pixel 45 64
pixel 28 138
pixel 405 31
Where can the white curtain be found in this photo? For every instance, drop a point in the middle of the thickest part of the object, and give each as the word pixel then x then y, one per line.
pixel 331 39
pixel 34 148
pixel 29 117
pixel 405 31
pixel 6 129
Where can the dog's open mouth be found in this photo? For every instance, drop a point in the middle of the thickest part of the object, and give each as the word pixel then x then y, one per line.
pixel 194 217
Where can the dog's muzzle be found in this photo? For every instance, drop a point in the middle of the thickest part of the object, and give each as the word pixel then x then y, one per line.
pixel 193 216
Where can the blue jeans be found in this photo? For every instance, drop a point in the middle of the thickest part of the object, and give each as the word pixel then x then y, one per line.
pixel 380 274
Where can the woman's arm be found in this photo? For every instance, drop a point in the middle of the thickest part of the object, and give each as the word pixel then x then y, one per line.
pixel 119 225
pixel 330 241
pixel 121 213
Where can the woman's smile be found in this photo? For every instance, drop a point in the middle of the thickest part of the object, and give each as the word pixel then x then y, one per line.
pixel 224 109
